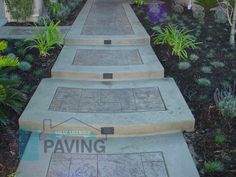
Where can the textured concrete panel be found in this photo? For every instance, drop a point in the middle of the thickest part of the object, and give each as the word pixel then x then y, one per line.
pixel 106 100
pixel 90 57
pixel 107 18
pixel 107 165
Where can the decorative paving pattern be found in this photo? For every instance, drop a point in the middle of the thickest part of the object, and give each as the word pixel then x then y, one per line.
pixel 106 100
pixel 89 57
pixel 108 165
pixel 107 18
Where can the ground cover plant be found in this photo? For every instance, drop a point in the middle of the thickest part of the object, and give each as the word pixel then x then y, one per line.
pixel 22 66
pixel 206 79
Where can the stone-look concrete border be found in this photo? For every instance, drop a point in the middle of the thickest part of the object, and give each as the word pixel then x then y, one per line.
pixel 24 32
pixel 176 118
pixel 178 160
pixel 74 36
pixel 64 68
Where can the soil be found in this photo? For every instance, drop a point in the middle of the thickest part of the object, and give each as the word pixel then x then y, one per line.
pixel 209 120
pixel 11 138
pixel 68 22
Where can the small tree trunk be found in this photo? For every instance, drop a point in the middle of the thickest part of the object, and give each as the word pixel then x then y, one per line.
pixel 232 31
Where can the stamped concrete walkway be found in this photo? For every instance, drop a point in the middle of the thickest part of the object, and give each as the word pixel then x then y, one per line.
pixel 107 91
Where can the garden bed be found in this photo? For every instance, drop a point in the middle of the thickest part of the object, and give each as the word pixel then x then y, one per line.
pixel 29 80
pixel 213 61
pixel 64 22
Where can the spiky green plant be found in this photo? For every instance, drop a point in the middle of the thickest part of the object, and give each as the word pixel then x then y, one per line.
pixel 48 39
pixel 179 40
pixel 213 166
pixel 219 139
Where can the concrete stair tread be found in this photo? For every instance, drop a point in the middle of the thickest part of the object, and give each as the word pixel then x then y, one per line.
pixel 91 62
pixel 130 107
pixel 152 156
pixel 117 23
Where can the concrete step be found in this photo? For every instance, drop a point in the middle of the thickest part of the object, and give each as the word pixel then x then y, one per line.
pixel 107 63
pixel 125 108
pixel 107 23
pixel 150 156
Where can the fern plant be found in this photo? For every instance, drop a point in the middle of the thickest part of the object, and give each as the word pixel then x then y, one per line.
pixel 48 39
pixel 179 40
pixel 11 99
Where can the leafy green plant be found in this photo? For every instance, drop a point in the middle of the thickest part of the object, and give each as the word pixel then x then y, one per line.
pixel 29 58
pixel 184 65
pixel 139 2
pixel 24 66
pixel 10 97
pixel 54 8
pixel 3 46
pixel 20 9
pixel 203 82
pixel 21 51
pixel 179 40
pixel 178 8
pixel 48 39
pixel 219 139
pixel 213 166
pixel 207 4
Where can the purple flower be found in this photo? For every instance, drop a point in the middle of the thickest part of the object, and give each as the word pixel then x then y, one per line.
pixel 156 12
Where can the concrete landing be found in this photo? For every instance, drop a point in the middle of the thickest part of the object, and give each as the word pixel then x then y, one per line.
pixel 93 63
pixel 107 22
pixel 130 107
pixel 150 156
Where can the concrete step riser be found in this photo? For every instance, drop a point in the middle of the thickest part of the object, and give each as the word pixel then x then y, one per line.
pixel 117 76
pixel 115 42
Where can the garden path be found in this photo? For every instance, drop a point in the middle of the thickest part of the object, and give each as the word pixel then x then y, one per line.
pixel 107 91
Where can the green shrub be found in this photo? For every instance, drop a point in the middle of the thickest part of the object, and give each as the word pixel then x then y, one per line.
pixel 179 40
pixel 10 98
pixel 178 8
pixel 220 16
pixel 21 51
pixel 204 82
pixel 206 69
pixel 227 107
pixel 48 39
pixel 199 14
pixel 207 4
pixel 20 9
pixel 18 44
pixel 219 139
pixel 3 46
pixel 139 2
pixel 184 65
pixel 24 66
pixel 225 99
pixel 29 58
pixel 54 8
pixel 213 166
pixel 193 57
